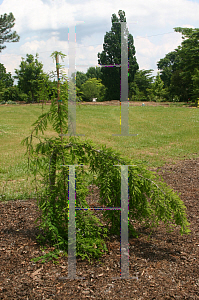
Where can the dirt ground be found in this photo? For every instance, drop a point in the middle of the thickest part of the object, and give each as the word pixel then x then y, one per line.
pixel 113 102
pixel 166 265
pixel 131 103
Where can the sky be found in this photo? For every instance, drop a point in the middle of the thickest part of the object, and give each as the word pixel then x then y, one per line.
pixel 43 28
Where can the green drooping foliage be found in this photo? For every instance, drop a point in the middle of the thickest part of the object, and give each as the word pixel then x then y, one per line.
pixel 150 200
pixel 112 55
pixel 6 23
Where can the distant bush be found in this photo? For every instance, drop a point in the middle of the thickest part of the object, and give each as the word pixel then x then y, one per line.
pixel 23 97
pixel 11 102
pixel 10 93
pixel 3 102
pixel 8 102
pixel 13 94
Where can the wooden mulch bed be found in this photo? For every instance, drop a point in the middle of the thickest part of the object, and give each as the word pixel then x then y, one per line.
pixel 166 265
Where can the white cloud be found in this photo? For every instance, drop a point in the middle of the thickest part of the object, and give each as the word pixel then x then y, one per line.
pixel 55 33
pixel 37 15
pixel 11 62
pixel 149 50
pixel 33 46
pixel 38 22
pixel 188 26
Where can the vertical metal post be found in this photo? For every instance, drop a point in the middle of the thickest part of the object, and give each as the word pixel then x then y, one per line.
pixel 72 226
pixel 71 86
pixel 124 168
pixel 124 246
pixel 123 83
pixel 124 223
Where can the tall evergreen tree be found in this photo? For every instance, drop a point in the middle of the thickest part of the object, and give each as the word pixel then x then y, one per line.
pixel 111 55
pixel 6 23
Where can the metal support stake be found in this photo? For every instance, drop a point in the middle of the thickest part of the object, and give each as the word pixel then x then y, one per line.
pixel 123 83
pixel 71 86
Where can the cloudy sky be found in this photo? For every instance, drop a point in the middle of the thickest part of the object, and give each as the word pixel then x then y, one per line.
pixel 43 27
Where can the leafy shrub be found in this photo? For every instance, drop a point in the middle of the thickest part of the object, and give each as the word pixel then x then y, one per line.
pixel 11 102
pixel 23 97
pixel 176 98
pixel 13 94
pixel 3 102
pixel 10 93
pixel 8 102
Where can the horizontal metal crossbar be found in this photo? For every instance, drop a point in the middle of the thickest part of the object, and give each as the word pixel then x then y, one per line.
pixel 110 65
pixel 99 208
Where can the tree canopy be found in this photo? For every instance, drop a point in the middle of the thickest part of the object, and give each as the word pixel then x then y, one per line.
pixel 29 75
pixel 179 67
pixel 6 23
pixel 93 88
pixel 178 80
pixel 139 88
pixel 6 81
pixel 112 55
pixel 81 77
pixel 93 72
pixel 5 78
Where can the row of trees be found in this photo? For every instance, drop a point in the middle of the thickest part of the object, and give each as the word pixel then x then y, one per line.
pixel 178 79
pixel 34 85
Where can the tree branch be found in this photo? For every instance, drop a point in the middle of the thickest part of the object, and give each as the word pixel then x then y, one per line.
pixel 120 161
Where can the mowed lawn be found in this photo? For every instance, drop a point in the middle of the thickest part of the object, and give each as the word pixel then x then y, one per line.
pixel 165 135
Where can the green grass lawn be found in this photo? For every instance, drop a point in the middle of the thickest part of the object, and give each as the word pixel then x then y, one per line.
pixel 165 135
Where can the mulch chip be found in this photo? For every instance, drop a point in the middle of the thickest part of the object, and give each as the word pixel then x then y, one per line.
pixel 166 265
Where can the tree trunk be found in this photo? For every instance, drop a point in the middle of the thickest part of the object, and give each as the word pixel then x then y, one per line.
pixel 52 171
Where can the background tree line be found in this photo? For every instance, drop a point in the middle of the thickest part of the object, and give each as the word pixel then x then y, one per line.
pixel 177 79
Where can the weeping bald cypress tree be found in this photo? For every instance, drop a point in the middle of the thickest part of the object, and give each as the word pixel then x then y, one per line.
pixel 150 199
